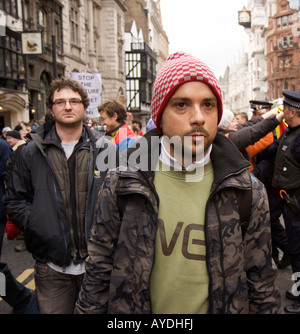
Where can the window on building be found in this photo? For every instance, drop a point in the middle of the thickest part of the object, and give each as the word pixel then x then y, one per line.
pixel 291 40
pixel 74 18
pixel 11 60
pixel 286 85
pixel 284 21
pixel 27 16
pixel 279 22
pixel 58 33
pixel 42 20
pixel 285 43
pixel 290 20
pixel 10 7
pixel 271 66
pixel 279 43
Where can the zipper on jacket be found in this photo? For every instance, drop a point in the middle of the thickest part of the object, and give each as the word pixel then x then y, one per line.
pixel 61 224
pixel 77 216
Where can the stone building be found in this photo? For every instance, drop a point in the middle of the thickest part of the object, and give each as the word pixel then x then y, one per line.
pixel 13 90
pixel 273 62
pixel 77 36
pixel 235 85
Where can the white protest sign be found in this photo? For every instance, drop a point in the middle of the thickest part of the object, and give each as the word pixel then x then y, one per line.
pixel 92 82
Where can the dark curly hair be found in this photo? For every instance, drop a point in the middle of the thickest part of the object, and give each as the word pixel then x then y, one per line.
pixel 113 106
pixel 58 84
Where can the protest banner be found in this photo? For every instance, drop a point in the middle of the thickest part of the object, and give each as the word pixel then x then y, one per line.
pixel 92 82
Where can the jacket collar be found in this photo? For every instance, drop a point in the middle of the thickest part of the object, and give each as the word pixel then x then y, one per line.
pixel 226 158
pixel 224 166
pixel 49 135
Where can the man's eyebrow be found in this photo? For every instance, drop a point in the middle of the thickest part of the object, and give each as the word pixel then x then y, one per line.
pixel 207 99
pixel 210 99
pixel 179 99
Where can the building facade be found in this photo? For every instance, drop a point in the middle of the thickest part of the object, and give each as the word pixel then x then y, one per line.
pixel 13 87
pixel 273 60
pixel 146 49
pixel 283 52
pixel 77 36
pixel 235 85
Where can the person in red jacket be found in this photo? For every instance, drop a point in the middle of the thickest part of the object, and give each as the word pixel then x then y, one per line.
pixel 113 115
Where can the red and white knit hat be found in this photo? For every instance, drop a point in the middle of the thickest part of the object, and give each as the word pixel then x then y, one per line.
pixel 178 69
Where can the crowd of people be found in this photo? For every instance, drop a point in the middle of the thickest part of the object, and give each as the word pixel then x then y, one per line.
pixel 198 231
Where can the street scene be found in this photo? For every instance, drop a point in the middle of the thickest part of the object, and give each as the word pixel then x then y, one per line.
pixel 149 157
pixel 22 267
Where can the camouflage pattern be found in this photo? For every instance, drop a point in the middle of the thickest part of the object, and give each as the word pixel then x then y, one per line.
pixel 121 248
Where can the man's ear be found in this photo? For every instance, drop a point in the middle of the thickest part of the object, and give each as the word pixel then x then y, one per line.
pixel 115 116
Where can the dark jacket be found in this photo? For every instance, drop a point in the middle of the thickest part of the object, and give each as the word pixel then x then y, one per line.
pixel 38 195
pixel 122 244
pixel 5 152
pixel 249 135
pixel 287 163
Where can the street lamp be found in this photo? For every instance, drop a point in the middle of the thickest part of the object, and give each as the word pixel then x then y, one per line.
pixel 33 110
pixel 1 107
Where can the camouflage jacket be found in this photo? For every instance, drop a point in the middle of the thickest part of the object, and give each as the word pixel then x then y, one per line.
pixel 121 248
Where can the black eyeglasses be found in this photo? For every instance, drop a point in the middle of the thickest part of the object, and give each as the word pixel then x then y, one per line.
pixel 60 104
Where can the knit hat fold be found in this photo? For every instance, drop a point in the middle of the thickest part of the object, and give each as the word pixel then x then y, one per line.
pixel 179 68
pixel 14 134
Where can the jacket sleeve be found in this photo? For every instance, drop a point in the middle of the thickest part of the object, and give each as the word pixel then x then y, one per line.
pixel 259 146
pixel 251 134
pixel 263 294
pixel 19 193
pixel 5 151
pixel 94 294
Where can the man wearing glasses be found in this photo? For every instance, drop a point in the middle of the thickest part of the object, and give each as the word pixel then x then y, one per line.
pixel 51 196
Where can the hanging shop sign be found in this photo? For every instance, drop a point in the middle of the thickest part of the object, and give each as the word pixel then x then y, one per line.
pixel 32 43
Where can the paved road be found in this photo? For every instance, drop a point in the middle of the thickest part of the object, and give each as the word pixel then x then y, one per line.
pixel 21 265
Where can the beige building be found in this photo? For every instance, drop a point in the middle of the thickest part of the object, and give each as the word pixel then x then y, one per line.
pixel 235 85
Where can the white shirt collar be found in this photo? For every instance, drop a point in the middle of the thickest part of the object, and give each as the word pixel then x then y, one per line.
pixel 168 160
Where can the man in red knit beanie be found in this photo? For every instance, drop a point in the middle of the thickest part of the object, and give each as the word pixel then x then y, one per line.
pixel 178 69
pixel 169 239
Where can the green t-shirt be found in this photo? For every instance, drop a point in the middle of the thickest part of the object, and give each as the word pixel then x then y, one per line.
pixel 179 280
